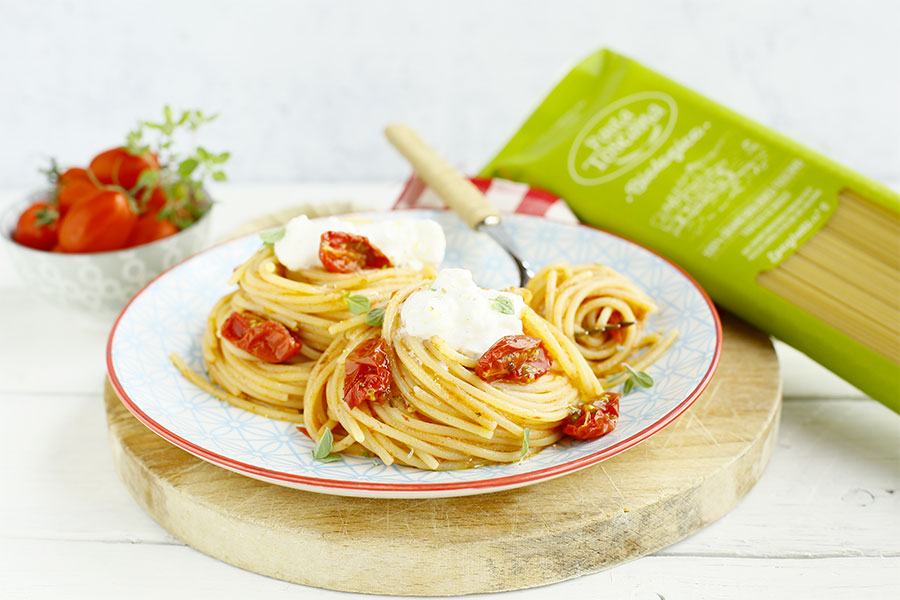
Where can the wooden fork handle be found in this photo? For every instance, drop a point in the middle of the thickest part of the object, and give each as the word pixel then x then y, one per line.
pixel 457 192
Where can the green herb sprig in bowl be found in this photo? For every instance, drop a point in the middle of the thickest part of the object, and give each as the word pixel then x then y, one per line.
pixel 182 174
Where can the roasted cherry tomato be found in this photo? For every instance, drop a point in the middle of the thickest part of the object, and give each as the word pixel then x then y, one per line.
pixel 267 340
pixel 74 185
pixel 342 252
pixel 150 228
pixel 594 419
pixel 516 358
pixel 367 373
pixel 120 167
pixel 103 222
pixel 38 227
pixel 617 334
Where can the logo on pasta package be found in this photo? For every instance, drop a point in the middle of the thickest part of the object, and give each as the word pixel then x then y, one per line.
pixel 621 136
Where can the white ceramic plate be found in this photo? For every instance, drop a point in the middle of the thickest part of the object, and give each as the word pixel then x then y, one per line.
pixel 169 315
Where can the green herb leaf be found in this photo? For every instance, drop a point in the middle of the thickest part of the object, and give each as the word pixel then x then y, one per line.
pixel 525 443
pixel 270 236
pixel 51 172
pixel 636 379
pixel 203 154
pixel 147 180
pixel 641 378
pixel 323 446
pixel 375 317
pixel 46 216
pixel 182 175
pixel 188 166
pixel 322 451
pixel 503 304
pixel 358 305
pixel 134 142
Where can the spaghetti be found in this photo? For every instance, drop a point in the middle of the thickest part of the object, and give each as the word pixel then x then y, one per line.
pixel 604 313
pixel 442 415
pixel 311 302
pixel 421 369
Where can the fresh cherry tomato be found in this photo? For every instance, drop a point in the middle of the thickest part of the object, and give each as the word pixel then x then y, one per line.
pixel 155 202
pixel 342 252
pixel 97 224
pixel 73 174
pixel 74 185
pixel 594 419
pixel 367 373
pixel 516 358
pixel 267 340
pixel 150 228
pixel 38 227
pixel 120 167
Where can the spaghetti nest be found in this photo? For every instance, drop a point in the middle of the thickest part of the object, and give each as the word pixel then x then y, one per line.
pixel 604 313
pixel 311 302
pixel 441 415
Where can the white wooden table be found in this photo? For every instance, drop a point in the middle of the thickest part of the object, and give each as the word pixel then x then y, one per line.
pixel 824 521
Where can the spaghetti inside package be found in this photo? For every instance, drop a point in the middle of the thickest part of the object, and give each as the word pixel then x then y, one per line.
pixel 801 247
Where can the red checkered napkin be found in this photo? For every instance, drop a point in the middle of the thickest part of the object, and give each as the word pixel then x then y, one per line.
pixel 507 196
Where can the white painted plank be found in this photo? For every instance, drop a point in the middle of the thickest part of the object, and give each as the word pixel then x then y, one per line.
pixel 102 571
pixel 64 485
pixel 54 351
pixel 804 378
pixel 830 489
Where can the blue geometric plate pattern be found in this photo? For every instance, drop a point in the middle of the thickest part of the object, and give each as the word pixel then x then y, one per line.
pixel 170 313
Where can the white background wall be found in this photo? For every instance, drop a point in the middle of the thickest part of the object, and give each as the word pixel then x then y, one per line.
pixel 304 88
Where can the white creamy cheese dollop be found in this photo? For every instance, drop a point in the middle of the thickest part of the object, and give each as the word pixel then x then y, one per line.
pixel 408 243
pixel 468 318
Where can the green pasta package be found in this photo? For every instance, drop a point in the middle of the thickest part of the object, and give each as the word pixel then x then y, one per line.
pixel 803 248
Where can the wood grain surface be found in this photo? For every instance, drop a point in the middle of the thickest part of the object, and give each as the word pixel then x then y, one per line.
pixel 649 497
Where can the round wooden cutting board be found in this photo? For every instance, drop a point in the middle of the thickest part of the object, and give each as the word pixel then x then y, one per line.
pixel 684 477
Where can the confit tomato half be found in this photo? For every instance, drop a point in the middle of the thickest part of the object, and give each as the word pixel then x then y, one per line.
pixel 269 341
pixel 342 252
pixel 594 419
pixel 515 358
pixel 367 373
pixel 97 224
pixel 37 227
pixel 119 167
pixel 617 334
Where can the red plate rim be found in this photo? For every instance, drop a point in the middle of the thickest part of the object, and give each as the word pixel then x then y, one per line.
pixel 498 482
